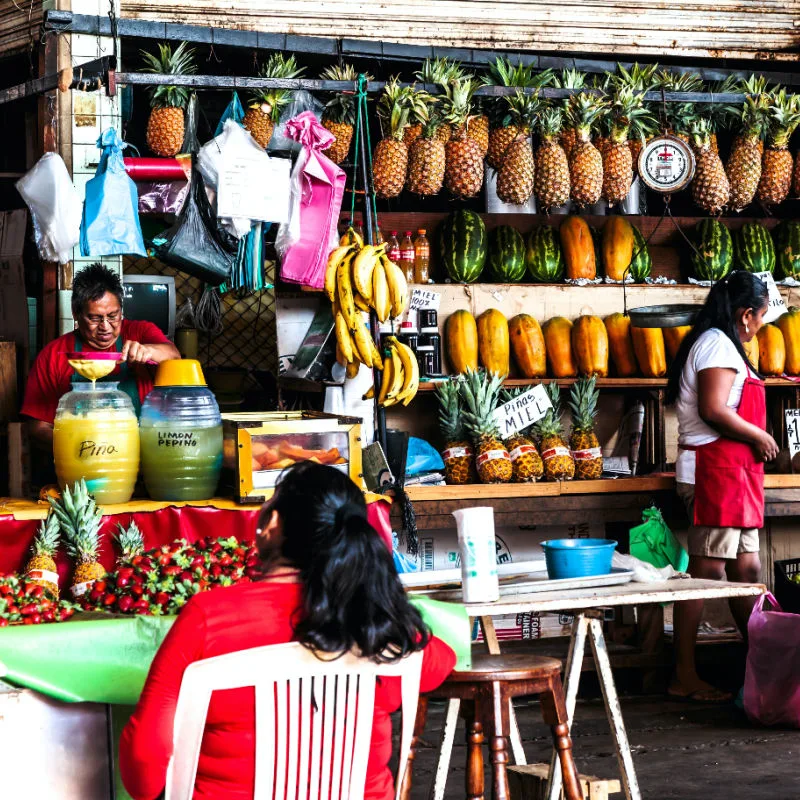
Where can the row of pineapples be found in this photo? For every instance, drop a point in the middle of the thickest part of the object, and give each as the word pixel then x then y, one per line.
pixel 474 448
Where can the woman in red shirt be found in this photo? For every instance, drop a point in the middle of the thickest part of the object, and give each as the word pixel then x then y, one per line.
pixel 329 582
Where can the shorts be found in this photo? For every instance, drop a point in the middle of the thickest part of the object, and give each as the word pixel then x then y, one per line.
pixel 715 542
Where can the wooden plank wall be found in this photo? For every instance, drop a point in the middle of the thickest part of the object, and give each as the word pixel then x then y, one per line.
pixel 702 28
pixel 19 25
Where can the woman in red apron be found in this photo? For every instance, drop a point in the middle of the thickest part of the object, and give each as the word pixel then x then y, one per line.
pixel 723 445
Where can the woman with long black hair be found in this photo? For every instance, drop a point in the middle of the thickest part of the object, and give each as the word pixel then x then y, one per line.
pixel 329 582
pixel 723 445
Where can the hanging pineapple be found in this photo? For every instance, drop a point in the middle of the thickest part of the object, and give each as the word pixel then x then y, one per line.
pixel 339 116
pixel 421 106
pixel 165 126
pixel 458 457
pixel 41 568
pixel 526 463
pixel 641 79
pixel 710 187
pixel 796 177
pixel 266 104
pixel 585 160
pixel 569 79
pixel 426 158
pixel 744 162
pixel 552 168
pixel 479 392
pixel 439 72
pixel 463 174
pixel 516 176
pixel 390 161
pixel 478 126
pixel 583 441
pixel 722 116
pixel 558 462
pixel 776 167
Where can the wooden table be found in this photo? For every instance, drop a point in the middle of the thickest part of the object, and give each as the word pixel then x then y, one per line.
pixel 587 607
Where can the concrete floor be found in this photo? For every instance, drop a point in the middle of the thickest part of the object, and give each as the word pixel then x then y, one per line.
pixel 686 751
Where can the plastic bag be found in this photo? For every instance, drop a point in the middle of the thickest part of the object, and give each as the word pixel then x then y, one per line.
pixel 655 543
pixel 110 224
pixel 644 572
pixel 301 101
pixel 190 244
pixel 162 198
pixel 772 676
pixel 232 111
pixel 55 207
pixel 422 457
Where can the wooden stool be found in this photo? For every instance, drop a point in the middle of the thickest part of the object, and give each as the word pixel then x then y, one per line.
pixel 486 691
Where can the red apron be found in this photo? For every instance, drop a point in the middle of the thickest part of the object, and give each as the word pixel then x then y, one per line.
pixel 729 478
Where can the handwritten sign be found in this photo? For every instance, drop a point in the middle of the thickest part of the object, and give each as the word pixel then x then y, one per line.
pixel 522 411
pixel 793 434
pixel 424 299
pixel 776 307
pixel 254 186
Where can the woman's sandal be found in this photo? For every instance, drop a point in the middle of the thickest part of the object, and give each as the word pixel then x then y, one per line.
pixel 709 696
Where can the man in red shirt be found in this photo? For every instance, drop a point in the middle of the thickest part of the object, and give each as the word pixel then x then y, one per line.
pixel 97 309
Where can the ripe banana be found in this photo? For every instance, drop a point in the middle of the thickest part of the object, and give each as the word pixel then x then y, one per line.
pixel 343 339
pixel 398 286
pixel 377 358
pixel 394 365
pixel 360 302
pixel 380 292
pixel 363 342
pixel 344 293
pixel 350 236
pixel 351 370
pixel 363 267
pixel 334 259
pixel 411 373
pixel 369 394
pixel 388 379
pixel 340 359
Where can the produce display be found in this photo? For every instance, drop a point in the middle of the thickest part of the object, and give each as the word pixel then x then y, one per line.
pixel 590 346
pixel 25 602
pixel 266 105
pixel 526 462
pixel 771 350
pixel 583 441
pixel 493 341
pixel 577 243
pixel 753 248
pixel 457 454
pixel 712 256
pixel 559 465
pixel 545 259
pixel 463 246
pixel 506 255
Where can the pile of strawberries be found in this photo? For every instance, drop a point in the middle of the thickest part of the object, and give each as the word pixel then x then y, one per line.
pixel 25 603
pixel 161 581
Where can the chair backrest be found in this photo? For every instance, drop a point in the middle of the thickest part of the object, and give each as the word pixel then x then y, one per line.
pixel 313 719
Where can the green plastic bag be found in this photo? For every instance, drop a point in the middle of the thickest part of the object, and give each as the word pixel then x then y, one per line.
pixel 655 543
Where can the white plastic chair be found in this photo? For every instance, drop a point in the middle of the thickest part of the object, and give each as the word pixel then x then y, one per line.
pixel 313 718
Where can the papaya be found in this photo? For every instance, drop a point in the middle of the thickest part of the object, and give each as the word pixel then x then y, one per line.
pixel 493 346
pixel 771 351
pixel 648 344
pixel 789 324
pixel 673 338
pixel 590 346
pixel 620 344
pixel 751 348
pixel 461 341
pixel 527 345
pixel 558 348
pixel 577 245
pixel 617 247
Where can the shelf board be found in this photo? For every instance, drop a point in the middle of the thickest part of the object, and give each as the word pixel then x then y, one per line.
pixel 607 383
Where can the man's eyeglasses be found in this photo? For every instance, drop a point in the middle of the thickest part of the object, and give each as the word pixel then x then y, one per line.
pixel 111 319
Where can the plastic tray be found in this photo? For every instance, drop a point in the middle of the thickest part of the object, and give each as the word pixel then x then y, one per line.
pixel 670 316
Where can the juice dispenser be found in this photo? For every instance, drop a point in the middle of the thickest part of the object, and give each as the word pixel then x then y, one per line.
pixel 181 434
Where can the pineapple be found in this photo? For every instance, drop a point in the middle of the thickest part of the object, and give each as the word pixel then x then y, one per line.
pixel 583 440
pixel 339 116
pixel 526 462
pixel 421 109
pixel 744 163
pixel 459 463
pixel 478 128
pixel 558 462
pixel 679 116
pixel 585 160
pixel 426 160
pixel 390 161
pixel 41 568
pixel 516 176
pixel 569 79
pixel 552 168
pixel 130 541
pixel 165 126
pixel 463 174
pixel 439 72
pixel 796 177
pixel 80 521
pixel 722 116
pixel 776 167
pixel 266 104
pixel 710 187
pixel 480 391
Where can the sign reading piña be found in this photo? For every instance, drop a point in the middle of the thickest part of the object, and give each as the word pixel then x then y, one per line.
pixel 522 411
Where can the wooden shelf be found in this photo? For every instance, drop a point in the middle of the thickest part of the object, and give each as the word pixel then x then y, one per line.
pixel 607 383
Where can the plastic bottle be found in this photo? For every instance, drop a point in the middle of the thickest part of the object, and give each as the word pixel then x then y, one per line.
pixel 406 262
pixel 422 257
pixel 393 248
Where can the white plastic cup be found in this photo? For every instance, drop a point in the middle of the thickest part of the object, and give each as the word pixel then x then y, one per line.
pixel 478 554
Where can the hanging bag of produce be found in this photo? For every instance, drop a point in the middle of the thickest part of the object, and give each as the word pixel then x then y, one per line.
pixel 317 187
pixel 655 543
pixel 110 224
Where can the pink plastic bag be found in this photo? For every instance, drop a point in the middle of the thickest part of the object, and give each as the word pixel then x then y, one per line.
pixel 378 512
pixel 772 680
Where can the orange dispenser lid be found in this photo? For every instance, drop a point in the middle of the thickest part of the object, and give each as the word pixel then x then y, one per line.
pixel 180 372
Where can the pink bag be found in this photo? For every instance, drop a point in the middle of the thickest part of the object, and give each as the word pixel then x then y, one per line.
pixel 772 680
pixel 321 189
pixel 379 510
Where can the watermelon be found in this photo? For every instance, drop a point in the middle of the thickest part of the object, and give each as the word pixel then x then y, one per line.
pixel 753 248
pixel 462 245
pixel 506 255
pixel 786 237
pixel 713 256
pixel 544 257
pixel 641 263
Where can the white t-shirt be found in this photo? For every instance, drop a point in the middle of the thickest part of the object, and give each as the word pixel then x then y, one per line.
pixel 712 349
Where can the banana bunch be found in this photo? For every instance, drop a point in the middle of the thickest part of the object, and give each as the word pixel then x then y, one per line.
pixel 400 378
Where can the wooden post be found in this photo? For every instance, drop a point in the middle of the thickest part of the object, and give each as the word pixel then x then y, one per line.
pixel 8 381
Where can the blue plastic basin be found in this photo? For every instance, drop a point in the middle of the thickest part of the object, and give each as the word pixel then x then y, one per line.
pixel 578 558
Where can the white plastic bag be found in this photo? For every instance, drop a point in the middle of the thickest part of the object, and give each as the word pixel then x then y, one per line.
pixel 289 232
pixel 55 207
pixel 644 572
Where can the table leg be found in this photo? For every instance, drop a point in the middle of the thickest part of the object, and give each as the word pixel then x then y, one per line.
pixel 445 751
pixel 572 679
pixel 613 710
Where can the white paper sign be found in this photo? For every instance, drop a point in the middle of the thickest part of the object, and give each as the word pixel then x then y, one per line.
pixel 776 307
pixel 424 299
pixel 522 411
pixel 793 430
pixel 254 186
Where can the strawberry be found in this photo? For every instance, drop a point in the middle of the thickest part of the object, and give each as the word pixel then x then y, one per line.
pixel 49 615
pixel 99 586
pixel 109 600
pixel 173 569
pixel 3 622
pixel 162 598
pixel 126 603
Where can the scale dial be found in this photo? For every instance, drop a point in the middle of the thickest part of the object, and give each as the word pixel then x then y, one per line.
pixel 666 164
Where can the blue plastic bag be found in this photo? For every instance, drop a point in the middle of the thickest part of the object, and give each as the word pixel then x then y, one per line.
pixel 422 457
pixel 232 111
pixel 110 223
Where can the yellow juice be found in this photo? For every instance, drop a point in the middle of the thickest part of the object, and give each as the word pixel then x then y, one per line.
pixel 102 446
